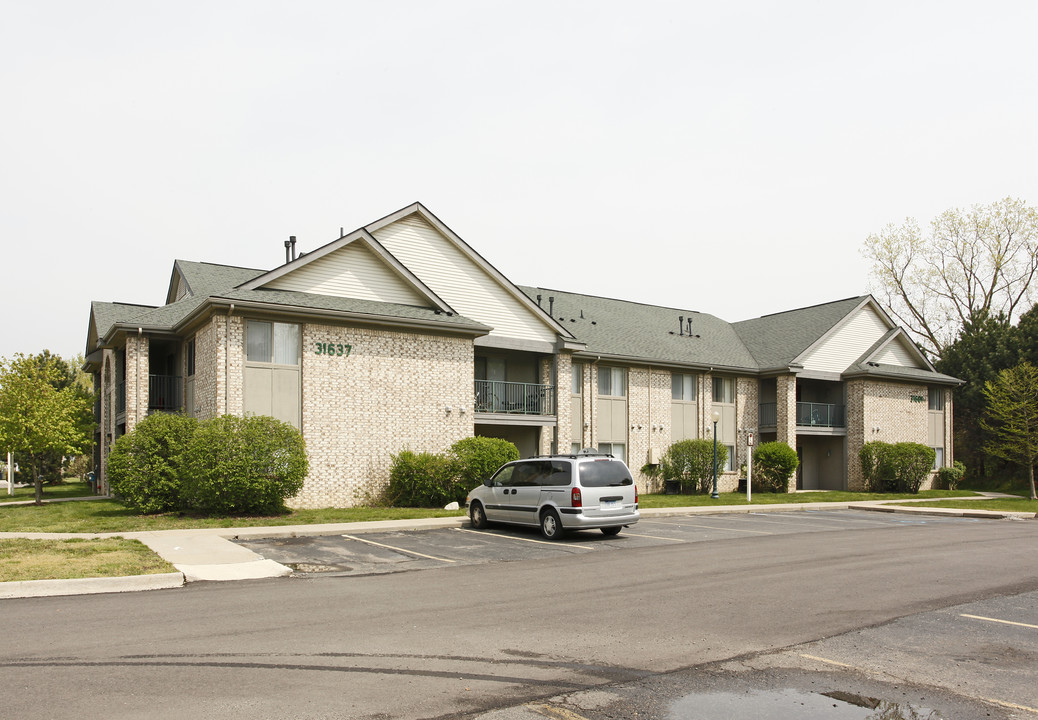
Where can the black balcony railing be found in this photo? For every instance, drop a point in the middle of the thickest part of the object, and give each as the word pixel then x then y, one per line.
pixel 164 392
pixel 821 415
pixel 495 396
pixel 808 415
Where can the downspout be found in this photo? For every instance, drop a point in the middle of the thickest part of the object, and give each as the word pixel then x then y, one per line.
pixel 593 405
pixel 555 429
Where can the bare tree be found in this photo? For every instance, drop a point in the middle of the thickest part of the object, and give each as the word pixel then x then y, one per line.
pixel 972 264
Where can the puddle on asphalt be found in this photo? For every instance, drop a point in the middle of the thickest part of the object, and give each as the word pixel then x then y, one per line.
pixel 782 704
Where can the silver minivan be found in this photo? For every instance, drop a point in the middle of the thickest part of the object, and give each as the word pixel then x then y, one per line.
pixel 582 491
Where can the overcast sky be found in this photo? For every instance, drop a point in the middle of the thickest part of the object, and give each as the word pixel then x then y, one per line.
pixel 729 158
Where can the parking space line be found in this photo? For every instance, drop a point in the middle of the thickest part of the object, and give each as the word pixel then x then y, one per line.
pixel 398 549
pixel 1012 706
pixel 529 540
pixel 723 529
pixel 827 661
pixel 653 537
pixel 996 620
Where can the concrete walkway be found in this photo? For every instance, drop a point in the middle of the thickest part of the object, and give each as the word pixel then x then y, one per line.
pixel 210 554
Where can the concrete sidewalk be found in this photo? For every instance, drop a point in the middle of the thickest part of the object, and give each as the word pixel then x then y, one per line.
pixel 211 554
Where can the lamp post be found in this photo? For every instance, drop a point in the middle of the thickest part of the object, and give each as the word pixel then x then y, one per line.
pixel 716 418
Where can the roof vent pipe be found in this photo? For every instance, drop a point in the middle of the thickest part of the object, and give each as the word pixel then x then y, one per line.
pixel 681 324
pixel 292 239
pixel 551 304
pixel 690 327
pixel 287 246
pixel 538 301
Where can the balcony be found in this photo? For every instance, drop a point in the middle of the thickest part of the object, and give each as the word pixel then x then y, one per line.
pixel 164 392
pixel 821 415
pixel 818 415
pixel 514 398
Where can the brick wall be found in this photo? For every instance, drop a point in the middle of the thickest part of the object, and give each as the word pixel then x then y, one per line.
pixel 390 394
pixel 208 368
pixel 136 380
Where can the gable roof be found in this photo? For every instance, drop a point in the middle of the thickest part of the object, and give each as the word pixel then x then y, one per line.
pixel 633 331
pixel 778 339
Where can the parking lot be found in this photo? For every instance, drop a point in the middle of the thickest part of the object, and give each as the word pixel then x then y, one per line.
pixel 398 551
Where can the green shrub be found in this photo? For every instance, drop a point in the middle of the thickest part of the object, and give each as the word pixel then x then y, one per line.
pixel 912 464
pixel 948 478
pixel 424 480
pixel 773 464
pixel 691 462
pixel 247 465
pixel 477 458
pixel 144 465
pixel 897 467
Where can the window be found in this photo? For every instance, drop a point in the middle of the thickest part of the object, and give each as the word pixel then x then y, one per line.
pixel 577 379
pixel 611 381
pixel 614 449
pixel 190 357
pixel 268 342
pixel 730 464
pixel 683 387
pixel 938 461
pixel 936 399
pixel 724 390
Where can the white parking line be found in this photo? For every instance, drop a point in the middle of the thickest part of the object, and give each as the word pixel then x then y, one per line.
pixel 996 620
pixel 398 549
pixel 724 529
pixel 529 540
pixel 653 537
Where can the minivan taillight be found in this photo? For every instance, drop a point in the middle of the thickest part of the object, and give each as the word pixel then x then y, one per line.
pixel 636 496
pixel 574 497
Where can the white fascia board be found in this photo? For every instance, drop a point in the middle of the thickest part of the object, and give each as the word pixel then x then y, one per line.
pixel 504 343
pixel 480 261
pixel 867 300
pixel 363 236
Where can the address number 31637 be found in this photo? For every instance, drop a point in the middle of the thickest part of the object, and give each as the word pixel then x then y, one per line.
pixel 336 349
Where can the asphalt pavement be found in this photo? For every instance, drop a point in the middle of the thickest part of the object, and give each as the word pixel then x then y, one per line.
pixel 210 554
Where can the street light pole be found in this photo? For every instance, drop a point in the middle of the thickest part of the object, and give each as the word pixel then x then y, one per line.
pixel 716 418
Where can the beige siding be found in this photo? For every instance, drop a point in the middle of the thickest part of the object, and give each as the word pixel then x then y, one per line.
pixel 897 354
pixel 457 279
pixel 353 271
pixel 848 343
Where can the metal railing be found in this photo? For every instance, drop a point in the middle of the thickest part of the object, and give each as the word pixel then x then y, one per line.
pixel 164 392
pixel 496 396
pixel 767 415
pixel 821 415
pixel 808 415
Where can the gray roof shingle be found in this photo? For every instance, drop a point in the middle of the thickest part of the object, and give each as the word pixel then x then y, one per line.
pixel 776 340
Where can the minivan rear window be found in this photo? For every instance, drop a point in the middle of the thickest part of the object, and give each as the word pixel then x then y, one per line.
pixel 604 473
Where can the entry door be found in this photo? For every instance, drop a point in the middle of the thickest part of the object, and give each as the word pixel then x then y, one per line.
pixel 497 373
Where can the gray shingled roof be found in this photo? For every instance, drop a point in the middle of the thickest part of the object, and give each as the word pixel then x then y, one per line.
pixel 776 340
pixel 646 332
pixel 206 278
pixel 898 372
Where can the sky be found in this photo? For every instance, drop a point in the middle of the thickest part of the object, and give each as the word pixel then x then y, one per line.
pixel 729 158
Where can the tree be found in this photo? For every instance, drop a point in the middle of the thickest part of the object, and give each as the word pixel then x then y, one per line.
pixel 40 412
pixel 985 346
pixel 970 265
pixel 1011 417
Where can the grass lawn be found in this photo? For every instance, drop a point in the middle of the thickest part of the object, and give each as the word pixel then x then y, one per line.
pixel 65 559
pixel 97 516
pixel 69 488
pixel 739 498
pixel 998 504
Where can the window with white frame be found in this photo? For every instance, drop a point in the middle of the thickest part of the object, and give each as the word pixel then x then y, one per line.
pixel 936 399
pixel 724 390
pixel 683 387
pixel 614 449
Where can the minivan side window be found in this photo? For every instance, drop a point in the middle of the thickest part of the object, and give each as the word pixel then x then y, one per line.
pixel 558 473
pixel 504 476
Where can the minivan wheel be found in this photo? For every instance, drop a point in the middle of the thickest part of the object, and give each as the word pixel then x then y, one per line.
pixel 478 516
pixel 611 530
pixel 551 525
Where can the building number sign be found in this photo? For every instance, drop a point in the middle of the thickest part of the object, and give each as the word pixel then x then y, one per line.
pixel 335 349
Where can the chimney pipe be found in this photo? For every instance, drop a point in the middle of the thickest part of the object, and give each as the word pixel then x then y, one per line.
pixel 681 324
pixel 551 305
pixel 287 245
pixel 292 239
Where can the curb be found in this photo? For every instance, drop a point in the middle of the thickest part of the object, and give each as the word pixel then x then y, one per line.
pixel 90 586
